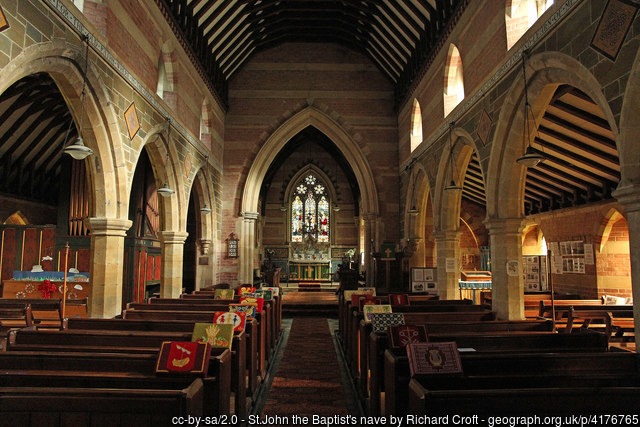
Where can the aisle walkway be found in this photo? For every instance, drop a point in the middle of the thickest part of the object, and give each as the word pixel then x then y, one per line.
pixel 308 379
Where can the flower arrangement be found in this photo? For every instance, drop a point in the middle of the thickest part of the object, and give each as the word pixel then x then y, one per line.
pixel 350 253
pixel 47 288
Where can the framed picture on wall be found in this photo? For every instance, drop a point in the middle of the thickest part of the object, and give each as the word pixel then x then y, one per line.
pixel 232 246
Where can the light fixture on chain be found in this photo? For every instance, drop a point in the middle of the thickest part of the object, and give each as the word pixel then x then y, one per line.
pixel 413 211
pixel 77 149
pixel 531 156
pixel 165 191
pixel 452 185
pixel 206 209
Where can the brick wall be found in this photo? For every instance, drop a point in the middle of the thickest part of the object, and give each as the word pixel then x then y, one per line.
pixel 276 83
pixel 614 263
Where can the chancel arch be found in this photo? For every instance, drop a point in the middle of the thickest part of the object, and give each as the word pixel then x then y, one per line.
pixel 309 199
pixel 345 144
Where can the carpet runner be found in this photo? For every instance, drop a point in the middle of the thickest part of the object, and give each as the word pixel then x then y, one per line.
pixel 308 378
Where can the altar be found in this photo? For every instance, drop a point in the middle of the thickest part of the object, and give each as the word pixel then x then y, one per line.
pixel 310 270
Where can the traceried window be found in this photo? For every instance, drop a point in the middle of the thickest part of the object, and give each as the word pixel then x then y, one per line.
pixel 310 211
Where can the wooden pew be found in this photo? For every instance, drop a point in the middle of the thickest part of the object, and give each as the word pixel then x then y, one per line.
pixel 353 336
pixel 252 328
pixel 378 342
pixel 122 370
pixel 431 313
pixel 239 377
pixel 208 296
pixel 47 406
pixel 345 309
pixel 558 398
pixel 263 317
pixel 47 312
pixel 501 355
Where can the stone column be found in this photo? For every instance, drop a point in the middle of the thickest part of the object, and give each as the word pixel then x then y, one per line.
pixel 247 247
pixel 107 260
pixel 629 197
pixel 370 244
pixel 204 272
pixel 448 247
pixel 505 237
pixel 172 259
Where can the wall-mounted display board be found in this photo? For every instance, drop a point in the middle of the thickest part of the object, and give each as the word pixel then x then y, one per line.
pixel 424 280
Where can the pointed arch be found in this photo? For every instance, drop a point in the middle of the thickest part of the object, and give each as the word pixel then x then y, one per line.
pixel 505 177
pixel 162 158
pixel 310 116
pixel 107 167
pixel 453 166
pixel 16 218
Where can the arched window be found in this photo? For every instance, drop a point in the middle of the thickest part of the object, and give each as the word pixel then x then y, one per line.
pixel 17 218
pixel 310 211
pixel 79 4
pixel 520 15
pixel 453 80
pixel 162 78
pixel 416 125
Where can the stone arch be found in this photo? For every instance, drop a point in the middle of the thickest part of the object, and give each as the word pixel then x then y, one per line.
pixel 107 168
pixel 346 143
pixel 505 181
pixel 201 188
pixel 162 158
pixel 418 191
pixel 418 213
pixel 447 202
pixel 627 142
pixel 609 218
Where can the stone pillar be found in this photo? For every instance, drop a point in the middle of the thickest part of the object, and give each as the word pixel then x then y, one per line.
pixel 370 244
pixel 629 197
pixel 172 259
pixel 107 260
pixel 448 247
pixel 505 237
pixel 204 272
pixel 247 247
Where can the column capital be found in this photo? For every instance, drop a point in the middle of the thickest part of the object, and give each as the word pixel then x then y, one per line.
pixel 497 226
pixel 108 226
pixel 371 216
pixel 443 235
pixel 173 237
pixel 251 216
pixel 629 197
pixel 205 244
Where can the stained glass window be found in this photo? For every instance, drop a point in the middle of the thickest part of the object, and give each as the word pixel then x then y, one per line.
pixel 296 220
pixel 323 220
pixel 310 211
